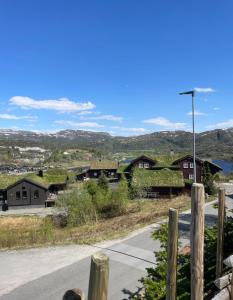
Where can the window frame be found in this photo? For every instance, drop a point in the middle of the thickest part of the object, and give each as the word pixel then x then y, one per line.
pixel 191 177
pixel 185 165
pixel 18 195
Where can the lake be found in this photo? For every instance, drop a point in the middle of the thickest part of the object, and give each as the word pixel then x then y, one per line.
pixel 227 166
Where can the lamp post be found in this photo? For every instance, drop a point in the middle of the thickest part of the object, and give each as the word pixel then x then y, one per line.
pixel 194 139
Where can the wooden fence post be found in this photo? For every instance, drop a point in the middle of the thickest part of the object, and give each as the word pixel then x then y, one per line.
pixel 172 254
pixel 220 228
pixel 99 275
pixel 197 241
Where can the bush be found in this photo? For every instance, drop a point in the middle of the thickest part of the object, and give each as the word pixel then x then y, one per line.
pixel 94 201
pixel 103 183
pixel 155 281
pixel 79 207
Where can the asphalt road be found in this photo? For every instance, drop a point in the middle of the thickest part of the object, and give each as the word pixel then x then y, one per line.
pixel 43 274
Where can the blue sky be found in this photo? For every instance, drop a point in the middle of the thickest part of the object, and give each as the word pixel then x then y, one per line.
pixel 115 65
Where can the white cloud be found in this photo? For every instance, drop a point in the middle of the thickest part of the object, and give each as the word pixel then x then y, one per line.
pixel 221 125
pixel 163 122
pixel 60 105
pixel 106 117
pixel 216 108
pixel 85 112
pixel 14 117
pixel 204 90
pixel 79 124
pixel 196 113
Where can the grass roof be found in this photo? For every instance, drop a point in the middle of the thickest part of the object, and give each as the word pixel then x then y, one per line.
pixel 104 165
pixel 46 180
pixel 157 178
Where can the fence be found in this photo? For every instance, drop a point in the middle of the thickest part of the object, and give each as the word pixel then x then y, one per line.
pixel 99 272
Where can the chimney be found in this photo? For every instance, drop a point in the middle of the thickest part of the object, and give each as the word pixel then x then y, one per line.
pixel 41 174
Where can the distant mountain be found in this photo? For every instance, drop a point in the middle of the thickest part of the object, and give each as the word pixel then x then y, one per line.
pixel 216 143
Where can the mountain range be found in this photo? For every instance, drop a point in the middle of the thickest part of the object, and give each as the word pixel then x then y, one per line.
pixel 215 144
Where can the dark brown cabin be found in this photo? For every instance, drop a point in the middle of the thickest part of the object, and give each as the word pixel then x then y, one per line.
pixel 26 192
pixel 186 165
pixel 106 167
pixel 141 162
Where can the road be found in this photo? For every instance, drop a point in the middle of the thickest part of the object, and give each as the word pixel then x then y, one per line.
pixel 42 274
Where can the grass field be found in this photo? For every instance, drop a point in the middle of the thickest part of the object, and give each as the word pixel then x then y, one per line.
pixel 26 232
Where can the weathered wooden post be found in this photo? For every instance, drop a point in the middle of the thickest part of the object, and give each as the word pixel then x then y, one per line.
pixel 197 241
pixel 220 228
pixel 172 254
pixel 99 276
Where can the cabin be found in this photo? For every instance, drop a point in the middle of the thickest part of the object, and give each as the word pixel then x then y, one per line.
pixel 31 189
pixel 107 167
pixel 142 162
pixel 158 183
pixel 185 164
pixel 26 192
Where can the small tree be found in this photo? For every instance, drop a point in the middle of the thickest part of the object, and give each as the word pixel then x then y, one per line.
pixel 103 183
pixel 208 180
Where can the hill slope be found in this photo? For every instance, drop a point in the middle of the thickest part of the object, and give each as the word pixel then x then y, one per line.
pixel 216 143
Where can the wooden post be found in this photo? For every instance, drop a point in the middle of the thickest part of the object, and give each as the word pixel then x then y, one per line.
pixel 172 254
pixel 99 275
pixel 220 228
pixel 197 241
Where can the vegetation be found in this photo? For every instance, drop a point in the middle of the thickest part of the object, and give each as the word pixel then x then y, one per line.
pixel 54 176
pixel 94 201
pixel 155 281
pixel 210 144
pixel 85 227
pixel 143 178
pixel 208 180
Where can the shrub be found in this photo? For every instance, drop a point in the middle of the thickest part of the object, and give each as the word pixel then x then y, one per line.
pixel 79 207
pixel 103 183
pixel 155 281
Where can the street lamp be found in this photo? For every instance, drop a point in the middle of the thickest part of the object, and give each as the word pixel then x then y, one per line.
pixel 194 140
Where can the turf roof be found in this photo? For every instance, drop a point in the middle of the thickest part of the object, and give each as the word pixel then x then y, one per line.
pixel 104 165
pixel 46 180
pixel 157 178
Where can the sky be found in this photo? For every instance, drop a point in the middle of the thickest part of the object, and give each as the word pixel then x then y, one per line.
pixel 115 66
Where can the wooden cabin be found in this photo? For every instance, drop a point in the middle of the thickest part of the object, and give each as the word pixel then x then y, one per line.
pixel 107 167
pixel 31 189
pixel 26 192
pixel 186 166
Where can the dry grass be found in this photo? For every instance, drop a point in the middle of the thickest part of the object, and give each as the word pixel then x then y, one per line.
pixel 22 232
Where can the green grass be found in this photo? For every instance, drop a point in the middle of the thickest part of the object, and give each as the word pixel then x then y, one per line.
pixel 27 232
pixel 157 178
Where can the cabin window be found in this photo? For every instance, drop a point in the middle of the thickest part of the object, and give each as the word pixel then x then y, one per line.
pixel 191 177
pixel 191 165
pixel 185 165
pixel 146 165
pixel 17 195
pixel 140 165
pixel 36 194
pixel 24 194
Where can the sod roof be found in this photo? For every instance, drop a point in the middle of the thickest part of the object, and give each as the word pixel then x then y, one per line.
pixel 46 180
pixel 157 178
pixel 104 165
